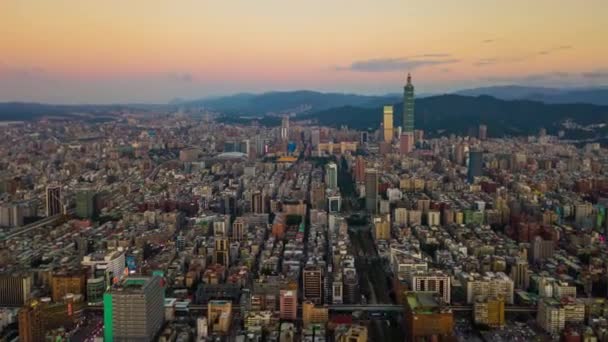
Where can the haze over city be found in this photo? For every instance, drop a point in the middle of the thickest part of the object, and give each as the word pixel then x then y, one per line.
pixel 68 51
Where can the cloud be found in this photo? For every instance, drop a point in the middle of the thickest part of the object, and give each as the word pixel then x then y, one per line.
pixel 594 75
pixel 487 61
pixel 521 58
pixel 21 71
pixel 182 77
pixel 433 55
pixel 398 64
pixel 555 49
pixel 532 78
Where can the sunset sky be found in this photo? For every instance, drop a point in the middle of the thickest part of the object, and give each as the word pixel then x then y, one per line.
pixel 110 51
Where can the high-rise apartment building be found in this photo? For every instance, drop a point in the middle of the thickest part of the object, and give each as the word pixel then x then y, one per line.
pixel 15 289
pixel 238 229
pixel 288 304
pixel 520 275
pixel 312 314
pixel 489 311
pixel 437 282
pixel 219 315
pixel 64 282
pixel 134 310
pixel 221 252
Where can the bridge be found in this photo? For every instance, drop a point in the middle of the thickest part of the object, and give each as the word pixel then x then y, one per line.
pixel 35 225
pixel 385 308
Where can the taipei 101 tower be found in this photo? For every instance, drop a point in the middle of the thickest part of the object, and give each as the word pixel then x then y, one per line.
pixel 408 106
pixel 406 140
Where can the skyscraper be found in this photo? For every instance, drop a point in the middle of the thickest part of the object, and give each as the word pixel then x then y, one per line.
pixel 371 190
pixel 406 143
pixel 134 310
pixel 312 279
pixel 388 124
pixel 85 203
pixel 408 106
pixel 331 175
pixel 53 200
pixel 285 128
pixel 475 165
pixel 483 132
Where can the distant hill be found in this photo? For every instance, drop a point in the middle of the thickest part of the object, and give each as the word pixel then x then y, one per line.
pixel 26 111
pixel 459 114
pixel 596 95
pixel 301 101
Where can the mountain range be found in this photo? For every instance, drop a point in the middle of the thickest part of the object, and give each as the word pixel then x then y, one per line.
pixel 460 114
pixel 506 110
pixel 595 95
pixel 298 101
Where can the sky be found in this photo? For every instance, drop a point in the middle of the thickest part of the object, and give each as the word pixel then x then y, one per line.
pixel 151 51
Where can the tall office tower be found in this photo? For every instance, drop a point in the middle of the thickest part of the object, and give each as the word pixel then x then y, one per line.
pixel 315 137
pixel 360 169
pixel 371 190
pixel 15 289
pixel 221 254
pixel 350 280
pixel 364 138
pixel 459 154
pixel 331 176
pixel 406 143
pixel 133 310
pixel 31 323
pixel 312 279
pixel 483 132
pixel 257 202
pixel 387 124
pixel 288 303
pixel 53 200
pixel 519 274
pixel 408 106
pixel 219 315
pixel 475 165
pixel 285 128
pixel 85 203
